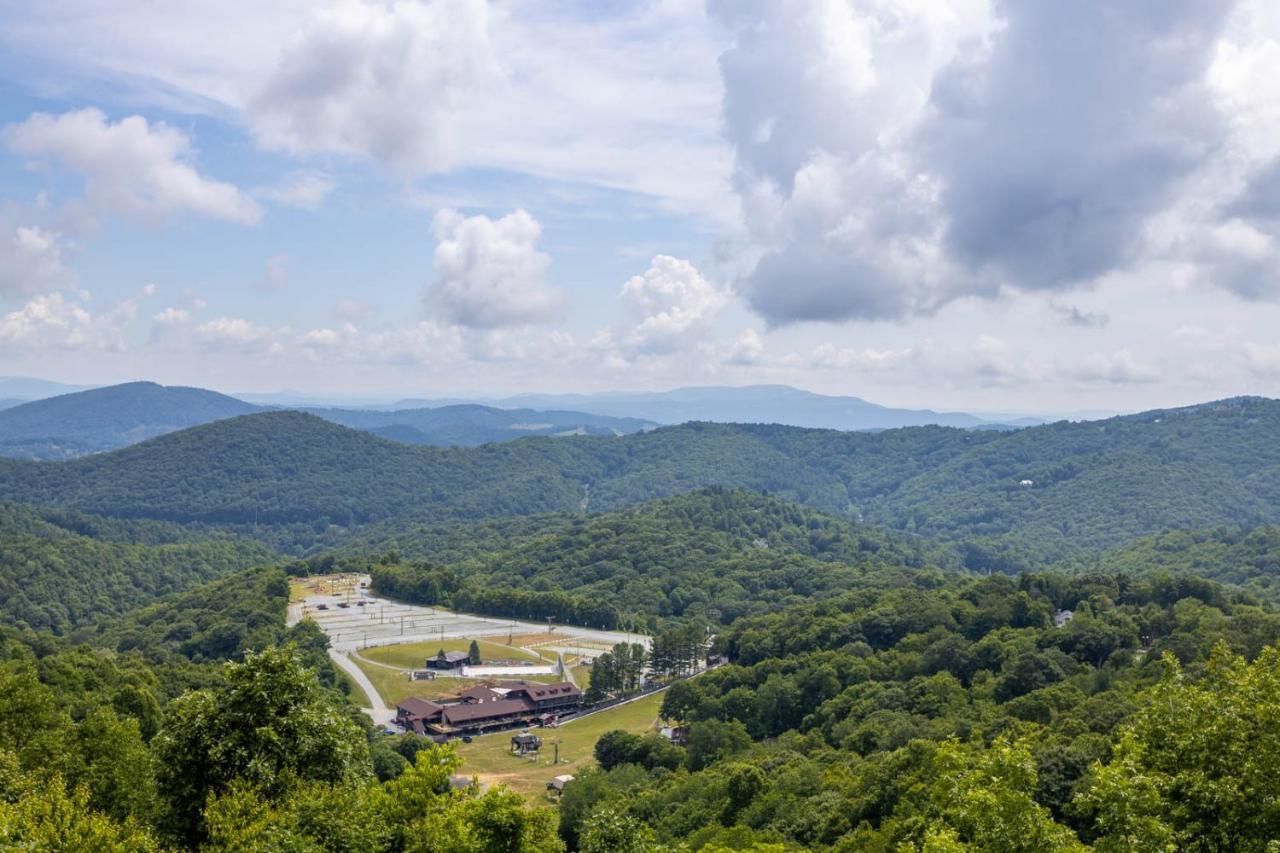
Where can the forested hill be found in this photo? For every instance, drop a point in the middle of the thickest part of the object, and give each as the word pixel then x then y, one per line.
pixel 53 577
pixel 1247 558
pixel 1015 499
pixel 715 553
pixel 106 418
pixel 470 425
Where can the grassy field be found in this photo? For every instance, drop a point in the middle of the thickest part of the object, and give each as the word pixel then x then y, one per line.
pixel 489 756
pixel 414 655
pixel 394 685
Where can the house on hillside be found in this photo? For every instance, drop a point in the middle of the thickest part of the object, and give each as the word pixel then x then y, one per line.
pixel 448 660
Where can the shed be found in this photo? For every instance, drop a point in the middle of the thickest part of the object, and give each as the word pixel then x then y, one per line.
pixel 557 784
pixel 525 743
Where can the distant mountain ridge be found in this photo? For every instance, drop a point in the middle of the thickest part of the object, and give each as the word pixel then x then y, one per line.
pixel 1008 500
pixel 468 425
pixel 780 404
pixel 100 419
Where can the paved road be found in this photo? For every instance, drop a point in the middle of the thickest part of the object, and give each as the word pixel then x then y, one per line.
pixel 379 713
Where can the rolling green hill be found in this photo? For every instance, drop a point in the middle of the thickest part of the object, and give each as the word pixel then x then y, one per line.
pixel 1015 499
pixel 106 418
pixel 54 578
pixel 468 425
pixel 719 552
pixel 1246 558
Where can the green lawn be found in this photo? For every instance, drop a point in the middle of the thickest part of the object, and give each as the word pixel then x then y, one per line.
pixel 394 685
pixel 489 756
pixel 414 655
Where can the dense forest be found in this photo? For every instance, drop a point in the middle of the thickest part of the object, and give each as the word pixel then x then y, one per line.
pixel 1249 558
pixel 881 691
pixel 1010 500
pixel 61 571
pixel 928 711
pixel 963 718
pixel 714 554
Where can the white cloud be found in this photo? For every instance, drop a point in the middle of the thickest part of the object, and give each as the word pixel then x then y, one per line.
pixel 489 273
pixel 1073 315
pixel 58 321
pixel 31 261
pixel 131 167
pixel 748 349
pixel 674 306
pixel 1119 368
pixel 624 98
pixel 388 81
pixel 232 333
pixel 424 343
pixel 301 190
pixel 275 272
pixel 172 316
pixel 830 357
pixel 894 157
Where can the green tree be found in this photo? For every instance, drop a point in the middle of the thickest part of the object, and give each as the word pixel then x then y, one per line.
pixel 474 653
pixel 710 740
pixel 271 727
pixel 985 798
pixel 610 829
pixel 1191 769
pixel 49 817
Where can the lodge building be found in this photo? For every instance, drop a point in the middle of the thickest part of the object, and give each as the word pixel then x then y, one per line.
pixel 485 707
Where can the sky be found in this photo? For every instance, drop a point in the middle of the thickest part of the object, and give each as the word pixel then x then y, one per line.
pixel 962 204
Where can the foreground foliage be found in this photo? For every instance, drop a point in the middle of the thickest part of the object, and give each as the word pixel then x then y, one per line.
pixel 962 718
pixel 265 760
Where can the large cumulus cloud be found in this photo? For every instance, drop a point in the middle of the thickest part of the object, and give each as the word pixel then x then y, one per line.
pixel 490 272
pixel 893 157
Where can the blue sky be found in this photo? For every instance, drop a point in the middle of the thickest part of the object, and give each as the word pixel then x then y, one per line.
pixel 964 204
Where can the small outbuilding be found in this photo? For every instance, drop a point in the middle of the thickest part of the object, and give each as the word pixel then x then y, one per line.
pixel 525 744
pixel 557 784
pixel 678 735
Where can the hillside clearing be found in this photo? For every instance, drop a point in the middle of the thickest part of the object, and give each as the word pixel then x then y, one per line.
pixel 489 756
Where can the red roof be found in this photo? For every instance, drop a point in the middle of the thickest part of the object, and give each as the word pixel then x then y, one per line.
pixel 540 692
pixel 415 707
pixel 480 693
pixel 456 714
